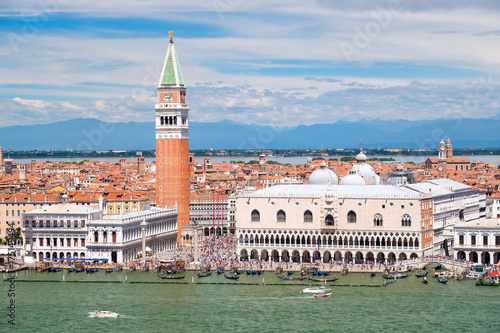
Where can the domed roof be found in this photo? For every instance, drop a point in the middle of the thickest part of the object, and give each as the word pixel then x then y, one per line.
pixel 323 176
pixel 352 179
pixel 361 157
pixel 366 172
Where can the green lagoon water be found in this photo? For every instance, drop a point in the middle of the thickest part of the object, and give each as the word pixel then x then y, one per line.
pixel 216 304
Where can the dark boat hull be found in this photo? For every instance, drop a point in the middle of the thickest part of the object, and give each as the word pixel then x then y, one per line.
pixel 204 274
pixel 171 277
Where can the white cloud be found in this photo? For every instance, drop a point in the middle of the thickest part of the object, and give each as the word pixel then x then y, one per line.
pixel 64 74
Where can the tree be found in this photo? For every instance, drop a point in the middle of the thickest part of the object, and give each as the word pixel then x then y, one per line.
pixel 17 236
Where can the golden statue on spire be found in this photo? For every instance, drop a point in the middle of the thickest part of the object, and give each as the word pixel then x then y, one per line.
pixel 170 33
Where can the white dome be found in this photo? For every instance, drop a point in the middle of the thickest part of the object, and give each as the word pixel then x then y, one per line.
pixel 361 156
pixel 352 179
pixel 366 172
pixel 323 176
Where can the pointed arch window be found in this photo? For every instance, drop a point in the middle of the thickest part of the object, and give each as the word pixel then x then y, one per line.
pixel 406 220
pixel 281 216
pixel 378 220
pixel 329 221
pixel 308 216
pixel 351 217
pixel 255 217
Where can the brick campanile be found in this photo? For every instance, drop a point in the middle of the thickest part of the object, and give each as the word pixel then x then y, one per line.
pixel 172 148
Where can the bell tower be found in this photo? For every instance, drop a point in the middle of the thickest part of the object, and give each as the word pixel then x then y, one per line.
pixel 172 148
pixel 442 166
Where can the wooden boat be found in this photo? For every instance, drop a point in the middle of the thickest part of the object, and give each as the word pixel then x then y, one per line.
pixel 240 272
pixel 395 276
pixel 326 273
pixel 204 274
pixel 293 278
pixel 438 267
pixel 111 270
pixel 233 277
pixel 249 272
pixel 442 280
pixel 55 270
pixel 323 295
pixel 93 270
pixel 291 272
pixel 315 273
pixel 79 270
pixel 422 275
pixel 374 273
pixel 171 277
pixel 260 272
pixel 424 280
pixel 71 270
pixel 220 271
pixel 487 282
pixel 322 280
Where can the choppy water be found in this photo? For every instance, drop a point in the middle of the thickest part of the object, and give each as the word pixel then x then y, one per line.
pixel 404 306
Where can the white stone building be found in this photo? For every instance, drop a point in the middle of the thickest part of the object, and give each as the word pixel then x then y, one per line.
pixel 70 231
pixel 323 222
pixel 356 220
pixel 57 231
pixel 118 238
pixel 453 203
pixel 478 241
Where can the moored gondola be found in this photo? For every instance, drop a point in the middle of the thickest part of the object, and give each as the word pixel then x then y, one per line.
pixel 170 277
pixel 322 280
pixel 395 276
pixel 374 273
pixel 232 277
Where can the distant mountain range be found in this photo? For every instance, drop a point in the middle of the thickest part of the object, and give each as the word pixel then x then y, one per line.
pixel 92 134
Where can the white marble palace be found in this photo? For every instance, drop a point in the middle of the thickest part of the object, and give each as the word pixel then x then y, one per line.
pixel 358 219
pixel 77 232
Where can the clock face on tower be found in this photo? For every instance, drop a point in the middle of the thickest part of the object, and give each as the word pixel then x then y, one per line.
pixel 168 98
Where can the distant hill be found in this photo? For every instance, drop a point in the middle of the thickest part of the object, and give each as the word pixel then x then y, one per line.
pixel 92 134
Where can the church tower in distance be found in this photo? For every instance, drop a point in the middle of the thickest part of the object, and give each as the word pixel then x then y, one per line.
pixel 172 148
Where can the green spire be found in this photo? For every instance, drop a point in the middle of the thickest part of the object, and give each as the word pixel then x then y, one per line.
pixel 171 74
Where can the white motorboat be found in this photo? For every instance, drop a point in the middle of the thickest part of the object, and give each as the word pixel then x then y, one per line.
pixel 316 290
pixel 103 314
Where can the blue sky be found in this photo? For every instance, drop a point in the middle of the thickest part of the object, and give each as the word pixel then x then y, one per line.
pixel 282 63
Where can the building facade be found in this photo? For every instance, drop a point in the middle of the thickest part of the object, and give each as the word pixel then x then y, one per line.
pixel 452 202
pixel 323 222
pixel 478 241
pixel 172 141
pixel 71 231
pixel 57 231
pixel 118 238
